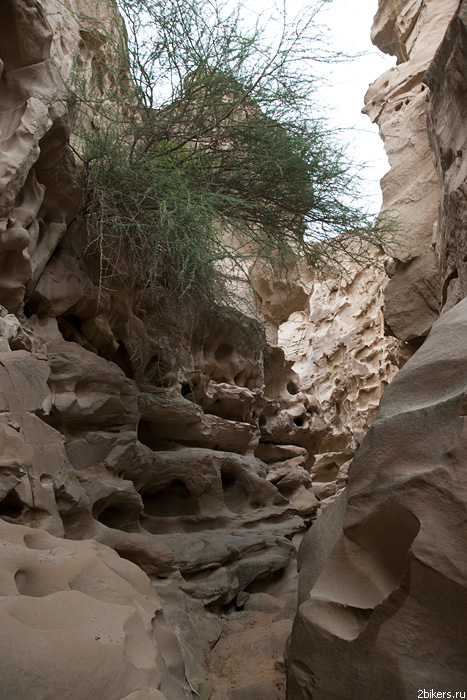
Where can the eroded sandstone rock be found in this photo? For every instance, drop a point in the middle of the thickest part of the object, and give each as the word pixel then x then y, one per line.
pixel 397 102
pixel 81 623
pixel 344 359
pixel 446 79
pixel 384 575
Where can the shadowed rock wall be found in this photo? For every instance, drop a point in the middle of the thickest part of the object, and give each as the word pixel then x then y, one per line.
pixel 397 102
pixel 383 587
pixel 198 476
pixel 383 592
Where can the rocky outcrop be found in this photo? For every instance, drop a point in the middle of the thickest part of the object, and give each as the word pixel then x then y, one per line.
pixel 397 102
pixel 383 577
pixel 447 80
pixel 343 358
pixel 82 623
pixel 185 454
pixel 381 580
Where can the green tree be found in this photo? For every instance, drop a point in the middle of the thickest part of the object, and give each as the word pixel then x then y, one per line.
pixel 210 155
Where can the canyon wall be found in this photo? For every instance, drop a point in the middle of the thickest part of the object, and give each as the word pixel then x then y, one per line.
pixel 397 102
pixel 383 587
pixel 155 481
pixel 343 357
pixel 140 496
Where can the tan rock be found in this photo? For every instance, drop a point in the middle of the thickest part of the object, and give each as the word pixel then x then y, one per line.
pixel 384 575
pixel 79 622
pixel 446 80
pixel 397 102
pixel 344 360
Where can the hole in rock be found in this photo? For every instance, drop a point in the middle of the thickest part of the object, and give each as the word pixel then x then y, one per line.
pixel 398 107
pixel 115 516
pixel 28 583
pixel 299 421
pixel 186 389
pixel 292 388
pixel 70 327
pixel 147 436
pixel 122 359
pixel 416 343
pixel 235 494
pixel 240 379
pixel 267 582
pixel 170 502
pixel 73 320
pixel 11 506
pixel 447 158
pixel 223 352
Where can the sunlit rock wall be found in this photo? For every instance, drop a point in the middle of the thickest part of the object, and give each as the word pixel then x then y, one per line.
pixel 343 357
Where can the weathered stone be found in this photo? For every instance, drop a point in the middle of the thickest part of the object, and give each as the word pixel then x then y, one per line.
pixel 389 583
pixel 79 622
pixel 447 80
pixel 397 102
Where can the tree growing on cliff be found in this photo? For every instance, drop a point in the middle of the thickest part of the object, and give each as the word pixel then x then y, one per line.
pixel 209 156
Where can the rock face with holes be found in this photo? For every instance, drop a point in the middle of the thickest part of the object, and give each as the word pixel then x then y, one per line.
pixel 397 102
pixel 73 606
pixel 343 357
pixel 383 576
pixel 199 477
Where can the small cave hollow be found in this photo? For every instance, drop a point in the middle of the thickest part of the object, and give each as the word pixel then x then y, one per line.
pixel 123 360
pixel 299 421
pixel 223 352
pixel 292 388
pixel 171 501
pixel 235 495
pixel 11 506
pixel 186 389
pixel 116 515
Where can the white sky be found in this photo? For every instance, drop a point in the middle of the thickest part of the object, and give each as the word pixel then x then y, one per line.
pixel 350 23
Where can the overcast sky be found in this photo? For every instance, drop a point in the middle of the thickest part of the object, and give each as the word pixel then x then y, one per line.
pixel 350 23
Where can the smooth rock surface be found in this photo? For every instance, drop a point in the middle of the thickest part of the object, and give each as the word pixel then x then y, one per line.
pixel 386 601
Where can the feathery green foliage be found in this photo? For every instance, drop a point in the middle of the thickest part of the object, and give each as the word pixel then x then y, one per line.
pixel 209 158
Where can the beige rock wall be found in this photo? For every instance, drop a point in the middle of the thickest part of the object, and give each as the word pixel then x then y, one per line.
pixel 343 357
pixel 397 102
pixel 383 577
pixel 198 476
